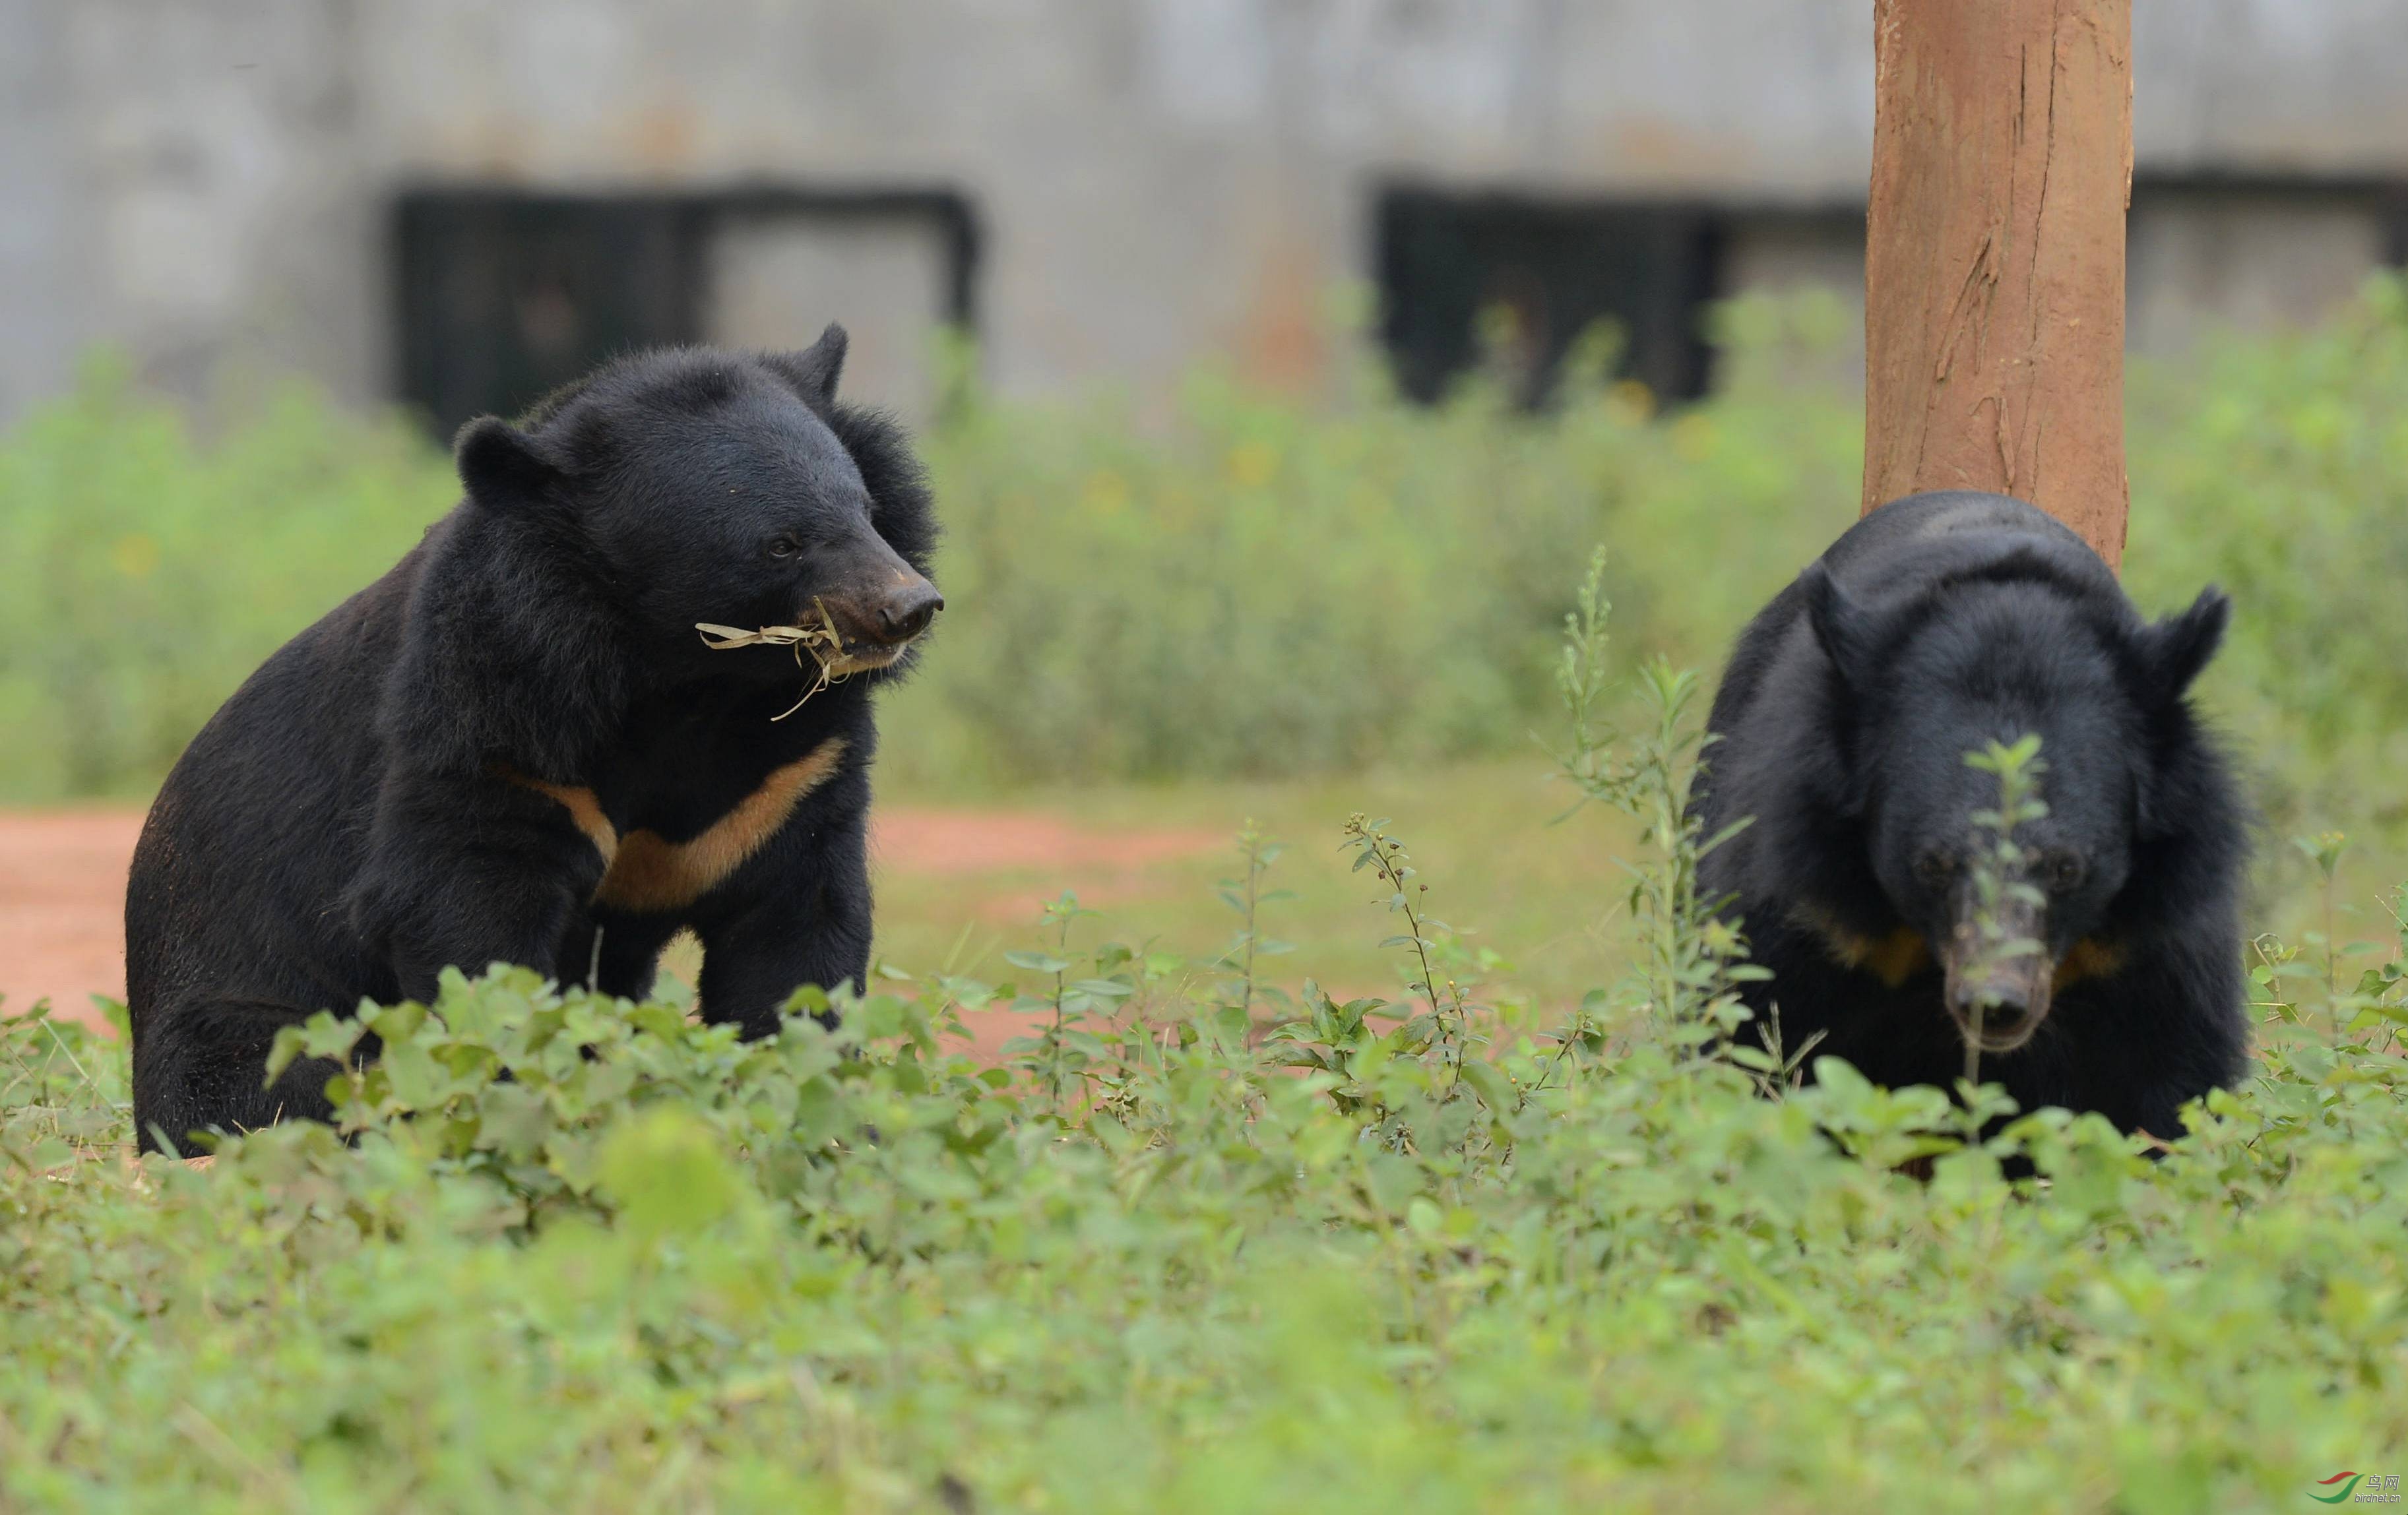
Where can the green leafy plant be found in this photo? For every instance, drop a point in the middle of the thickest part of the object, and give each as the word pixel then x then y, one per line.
pixel 1999 864
pixel 1690 960
pixel 1424 1083
pixel 1246 897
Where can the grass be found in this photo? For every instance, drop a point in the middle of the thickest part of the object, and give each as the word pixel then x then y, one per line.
pixel 1541 896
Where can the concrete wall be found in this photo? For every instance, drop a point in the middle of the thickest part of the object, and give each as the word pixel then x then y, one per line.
pixel 42 288
pixel 206 181
pixel 2210 260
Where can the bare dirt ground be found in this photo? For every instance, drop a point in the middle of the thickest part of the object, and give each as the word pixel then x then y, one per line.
pixel 958 842
pixel 62 908
pixel 63 882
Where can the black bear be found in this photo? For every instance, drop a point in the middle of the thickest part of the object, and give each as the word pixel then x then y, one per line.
pixel 516 745
pixel 1937 625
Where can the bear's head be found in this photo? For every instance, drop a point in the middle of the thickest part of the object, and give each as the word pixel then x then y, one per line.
pixel 1995 656
pixel 713 487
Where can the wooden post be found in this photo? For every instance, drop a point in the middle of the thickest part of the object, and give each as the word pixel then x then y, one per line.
pixel 1994 255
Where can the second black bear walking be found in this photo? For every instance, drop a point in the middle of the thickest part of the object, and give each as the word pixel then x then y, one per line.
pixel 1935 625
pixel 517 740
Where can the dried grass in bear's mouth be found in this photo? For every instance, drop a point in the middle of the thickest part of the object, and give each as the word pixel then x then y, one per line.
pixel 801 638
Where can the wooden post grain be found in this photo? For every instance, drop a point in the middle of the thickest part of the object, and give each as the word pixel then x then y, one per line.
pixel 1994 267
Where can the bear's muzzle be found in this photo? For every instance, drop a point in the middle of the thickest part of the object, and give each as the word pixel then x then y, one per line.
pixel 1999 983
pixel 877 609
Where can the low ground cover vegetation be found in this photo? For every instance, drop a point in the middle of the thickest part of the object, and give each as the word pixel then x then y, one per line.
pixel 1210 1238
pixel 851 1272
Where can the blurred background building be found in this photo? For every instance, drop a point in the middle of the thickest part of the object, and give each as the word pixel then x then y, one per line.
pixel 457 202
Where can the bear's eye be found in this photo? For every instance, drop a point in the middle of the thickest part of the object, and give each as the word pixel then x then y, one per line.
pixel 1934 869
pixel 784 547
pixel 2062 872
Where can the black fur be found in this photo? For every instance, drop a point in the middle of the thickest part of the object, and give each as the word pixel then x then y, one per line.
pixel 1937 624
pixel 366 809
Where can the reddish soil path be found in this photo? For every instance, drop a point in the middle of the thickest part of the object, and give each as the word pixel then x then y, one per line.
pixel 952 842
pixel 63 882
pixel 62 908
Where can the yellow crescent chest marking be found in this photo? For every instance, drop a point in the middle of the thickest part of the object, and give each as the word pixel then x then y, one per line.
pixel 1899 956
pixel 1893 959
pixel 644 872
pixel 583 809
pixel 1903 954
pixel 2089 959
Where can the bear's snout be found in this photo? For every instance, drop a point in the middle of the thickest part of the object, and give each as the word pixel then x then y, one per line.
pixel 883 618
pixel 2006 1022
pixel 1998 1000
pixel 905 613
pixel 875 602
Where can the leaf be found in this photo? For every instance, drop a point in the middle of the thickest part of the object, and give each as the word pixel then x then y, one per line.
pixel 114 1012
pixel 665 1171
pixel 513 1120
pixel 1392 1180
pixel 283 1050
pixel 1491 1083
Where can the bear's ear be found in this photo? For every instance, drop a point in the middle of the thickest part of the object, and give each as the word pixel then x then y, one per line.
pixel 2172 651
pixel 501 465
pixel 813 371
pixel 1839 623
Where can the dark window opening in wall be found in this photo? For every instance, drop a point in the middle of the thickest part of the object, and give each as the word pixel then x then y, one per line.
pixel 1556 269
pixel 502 297
pixel 2205 253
